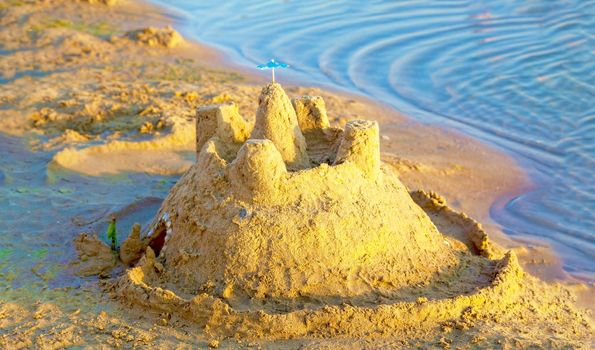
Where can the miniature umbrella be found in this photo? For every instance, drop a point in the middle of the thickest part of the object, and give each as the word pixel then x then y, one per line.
pixel 272 64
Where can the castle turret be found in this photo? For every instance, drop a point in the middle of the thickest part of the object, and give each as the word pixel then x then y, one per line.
pixel 311 113
pixel 257 171
pixel 223 121
pixel 276 120
pixel 361 145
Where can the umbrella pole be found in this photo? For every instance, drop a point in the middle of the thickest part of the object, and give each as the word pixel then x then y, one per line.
pixel 273 70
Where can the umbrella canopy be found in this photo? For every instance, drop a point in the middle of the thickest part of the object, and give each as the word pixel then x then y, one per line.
pixel 272 64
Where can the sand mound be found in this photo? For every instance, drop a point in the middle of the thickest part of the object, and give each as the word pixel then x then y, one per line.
pixel 95 257
pixel 151 36
pixel 159 155
pixel 299 230
pixel 133 247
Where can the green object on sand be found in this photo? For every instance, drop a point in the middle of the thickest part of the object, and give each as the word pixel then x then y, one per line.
pixel 111 233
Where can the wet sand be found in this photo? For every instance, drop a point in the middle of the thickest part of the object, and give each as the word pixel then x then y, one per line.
pixel 82 84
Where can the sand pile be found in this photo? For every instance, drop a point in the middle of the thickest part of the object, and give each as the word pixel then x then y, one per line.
pixel 151 36
pixel 295 228
pixel 95 257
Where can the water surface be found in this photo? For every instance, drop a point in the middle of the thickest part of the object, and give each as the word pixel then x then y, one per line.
pixel 519 74
pixel 43 208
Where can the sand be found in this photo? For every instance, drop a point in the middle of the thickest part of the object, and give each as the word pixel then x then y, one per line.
pixel 246 248
pixel 115 93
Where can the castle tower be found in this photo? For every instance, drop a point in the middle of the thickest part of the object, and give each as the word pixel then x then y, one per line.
pixel 276 121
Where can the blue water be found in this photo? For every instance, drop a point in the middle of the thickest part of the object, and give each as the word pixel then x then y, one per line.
pixel 519 74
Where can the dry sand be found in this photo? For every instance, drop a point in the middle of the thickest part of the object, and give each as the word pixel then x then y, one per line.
pixel 122 97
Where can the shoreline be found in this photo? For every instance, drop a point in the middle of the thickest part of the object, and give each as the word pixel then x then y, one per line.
pixel 529 249
pixel 425 156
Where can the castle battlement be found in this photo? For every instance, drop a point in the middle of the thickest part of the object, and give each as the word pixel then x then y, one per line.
pixel 292 127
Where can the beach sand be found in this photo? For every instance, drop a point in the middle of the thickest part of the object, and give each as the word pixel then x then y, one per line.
pixel 111 89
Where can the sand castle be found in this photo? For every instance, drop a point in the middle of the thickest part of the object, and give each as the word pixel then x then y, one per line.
pixel 261 216
pixel 293 228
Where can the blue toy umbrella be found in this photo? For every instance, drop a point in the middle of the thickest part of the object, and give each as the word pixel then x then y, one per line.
pixel 272 64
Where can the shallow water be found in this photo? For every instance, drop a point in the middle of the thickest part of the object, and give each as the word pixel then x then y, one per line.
pixel 518 74
pixel 43 208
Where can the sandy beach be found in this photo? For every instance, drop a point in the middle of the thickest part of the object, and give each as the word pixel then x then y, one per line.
pixel 106 89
